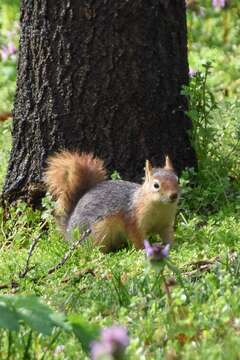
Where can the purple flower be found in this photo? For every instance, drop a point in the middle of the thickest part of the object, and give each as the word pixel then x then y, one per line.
pixel 8 34
pixel 218 3
pixel 8 51
pixel 116 334
pixel 156 252
pixel 11 48
pixel 100 351
pixel 192 72
pixel 4 53
pixel 113 341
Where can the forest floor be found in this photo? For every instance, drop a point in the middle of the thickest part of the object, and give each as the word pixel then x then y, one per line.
pixel 198 315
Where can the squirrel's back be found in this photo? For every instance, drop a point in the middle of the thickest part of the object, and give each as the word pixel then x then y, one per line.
pixel 107 198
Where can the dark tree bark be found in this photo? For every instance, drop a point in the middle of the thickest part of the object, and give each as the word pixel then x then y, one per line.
pixel 102 76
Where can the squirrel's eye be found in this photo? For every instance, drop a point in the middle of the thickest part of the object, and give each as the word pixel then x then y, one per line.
pixel 156 185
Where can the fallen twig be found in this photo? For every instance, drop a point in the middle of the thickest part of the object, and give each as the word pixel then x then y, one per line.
pixel 197 268
pixel 202 263
pixel 78 275
pixel 14 284
pixel 69 252
pixel 27 268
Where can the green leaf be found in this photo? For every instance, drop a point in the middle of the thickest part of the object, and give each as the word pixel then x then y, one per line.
pixel 59 320
pixel 8 317
pixel 85 332
pixel 39 316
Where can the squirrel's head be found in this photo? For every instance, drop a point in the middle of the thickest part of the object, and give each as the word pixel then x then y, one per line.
pixel 161 184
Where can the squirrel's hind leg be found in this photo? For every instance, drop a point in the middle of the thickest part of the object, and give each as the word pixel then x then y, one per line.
pixel 110 233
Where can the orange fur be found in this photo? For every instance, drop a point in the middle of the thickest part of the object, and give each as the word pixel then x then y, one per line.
pixel 168 185
pixel 113 232
pixel 69 175
pixel 134 233
pixel 110 233
pixel 153 218
pixel 168 163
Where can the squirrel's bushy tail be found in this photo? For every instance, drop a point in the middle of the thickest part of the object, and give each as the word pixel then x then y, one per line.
pixel 69 175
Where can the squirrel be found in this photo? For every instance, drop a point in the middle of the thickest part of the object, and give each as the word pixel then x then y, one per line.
pixel 115 211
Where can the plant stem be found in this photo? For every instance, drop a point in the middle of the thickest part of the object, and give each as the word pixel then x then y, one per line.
pixel 9 344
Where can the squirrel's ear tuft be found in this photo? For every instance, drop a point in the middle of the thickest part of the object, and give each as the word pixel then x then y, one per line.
pixel 148 170
pixel 168 164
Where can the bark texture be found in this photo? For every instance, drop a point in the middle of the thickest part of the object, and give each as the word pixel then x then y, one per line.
pixel 102 76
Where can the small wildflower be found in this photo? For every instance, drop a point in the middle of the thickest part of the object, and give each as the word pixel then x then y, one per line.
pixel 11 48
pixel 112 343
pixel 7 51
pixel 156 252
pixel 100 351
pixel 8 34
pixel 218 3
pixel 192 72
pixel 4 53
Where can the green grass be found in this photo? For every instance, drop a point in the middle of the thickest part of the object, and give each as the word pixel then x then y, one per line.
pixel 198 321
pixel 119 288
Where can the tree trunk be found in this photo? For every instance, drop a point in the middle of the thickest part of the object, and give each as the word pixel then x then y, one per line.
pixel 102 76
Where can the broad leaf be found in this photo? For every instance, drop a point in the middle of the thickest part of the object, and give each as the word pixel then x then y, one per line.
pixel 85 332
pixel 8 317
pixel 39 316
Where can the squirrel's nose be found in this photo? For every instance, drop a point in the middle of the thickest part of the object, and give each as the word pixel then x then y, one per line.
pixel 173 196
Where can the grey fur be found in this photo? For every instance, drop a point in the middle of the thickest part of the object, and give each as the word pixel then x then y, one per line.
pixel 162 173
pixel 106 198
